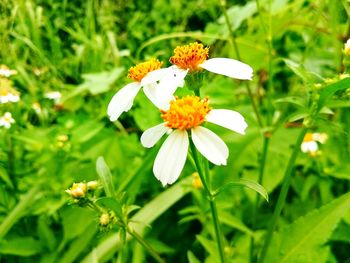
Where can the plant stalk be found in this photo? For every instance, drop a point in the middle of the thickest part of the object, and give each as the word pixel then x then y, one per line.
pixel 283 194
pixel 203 174
pixel 147 246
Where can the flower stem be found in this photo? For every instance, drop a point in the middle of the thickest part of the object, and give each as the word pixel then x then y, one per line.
pixel 203 174
pixel 235 46
pixel 257 196
pixel 147 246
pixel 283 194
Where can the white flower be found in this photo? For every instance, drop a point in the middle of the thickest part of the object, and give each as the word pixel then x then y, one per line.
pixel 53 95
pixel 193 58
pixel 185 116
pixel 141 73
pixel 9 97
pixel 7 92
pixel 6 120
pixel 6 72
pixel 310 142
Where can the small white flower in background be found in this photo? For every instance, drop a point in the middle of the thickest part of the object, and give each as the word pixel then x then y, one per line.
pixel 141 74
pixel 6 120
pixel 7 92
pixel 310 142
pixel 193 58
pixel 53 95
pixel 183 116
pixel 6 72
pixel 347 47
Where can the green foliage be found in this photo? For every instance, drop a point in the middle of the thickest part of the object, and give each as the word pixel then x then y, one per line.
pixel 305 239
pixel 82 49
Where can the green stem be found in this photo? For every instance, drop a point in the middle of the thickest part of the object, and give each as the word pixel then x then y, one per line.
pixel 283 194
pixel 203 174
pixel 147 246
pixel 235 46
pixel 257 196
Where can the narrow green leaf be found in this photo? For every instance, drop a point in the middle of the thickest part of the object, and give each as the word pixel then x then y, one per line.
pixel 20 246
pixel 192 258
pixel 105 176
pixel 305 239
pixel 80 244
pixel 18 211
pixel 329 90
pixel 244 183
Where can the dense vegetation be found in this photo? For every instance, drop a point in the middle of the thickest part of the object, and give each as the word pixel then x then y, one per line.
pixel 283 195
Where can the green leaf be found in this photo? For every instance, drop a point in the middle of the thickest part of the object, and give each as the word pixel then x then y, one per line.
pixel 19 210
pixel 80 244
pixel 305 239
pixel 105 176
pixel 192 258
pixel 75 221
pixel 20 246
pixel 245 183
pixel 96 83
pixel 299 70
pixel 329 90
pixel 238 14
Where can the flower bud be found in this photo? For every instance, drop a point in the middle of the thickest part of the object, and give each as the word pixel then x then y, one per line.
pixel 92 185
pixel 78 190
pixel 105 219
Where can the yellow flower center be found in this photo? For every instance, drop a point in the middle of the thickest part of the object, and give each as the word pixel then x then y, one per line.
pixel 140 70
pixel 308 137
pixel 186 113
pixel 190 56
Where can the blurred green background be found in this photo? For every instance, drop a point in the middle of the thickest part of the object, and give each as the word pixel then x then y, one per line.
pixel 83 50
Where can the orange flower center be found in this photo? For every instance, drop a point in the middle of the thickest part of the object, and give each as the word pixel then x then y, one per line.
pixel 186 113
pixel 140 70
pixel 308 137
pixel 190 56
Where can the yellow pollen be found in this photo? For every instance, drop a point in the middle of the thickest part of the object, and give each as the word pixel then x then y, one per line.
pixel 140 70
pixel 190 56
pixel 186 113
pixel 308 137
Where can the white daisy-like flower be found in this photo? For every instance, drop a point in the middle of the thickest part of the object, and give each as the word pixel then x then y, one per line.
pixel 191 59
pixel 185 116
pixel 310 142
pixel 141 74
pixel 53 95
pixel 6 120
pixel 6 72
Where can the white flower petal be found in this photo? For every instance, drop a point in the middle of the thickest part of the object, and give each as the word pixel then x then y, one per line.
pixel 228 67
pixel 310 146
pixel 210 145
pixel 168 85
pixel 150 92
pixel 171 157
pixel 229 119
pixel 122 100
pixel 152 135
pixel 154 76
